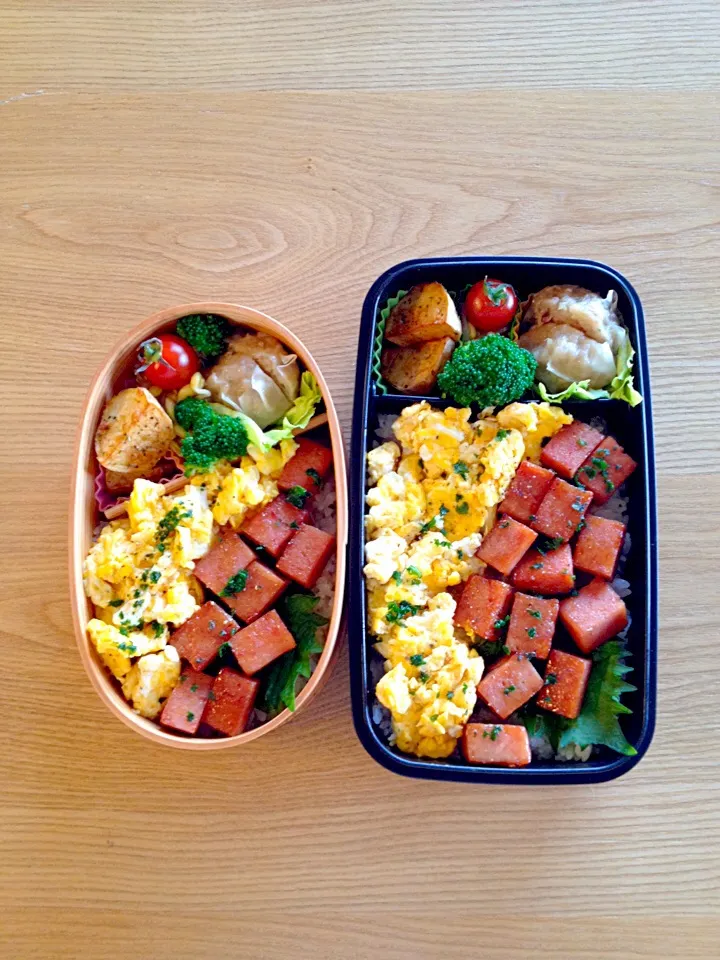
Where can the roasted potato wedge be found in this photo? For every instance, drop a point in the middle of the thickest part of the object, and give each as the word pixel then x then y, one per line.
pixel 123 482
pixel 427 312
pixel 134 432
pixel 415 369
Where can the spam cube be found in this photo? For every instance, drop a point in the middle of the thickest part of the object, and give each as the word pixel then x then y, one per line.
pixel 273 526
pixel 229 555
pixel 305 556
pixel 532 625
pixel 200 637
pixel 308 468
pixel 230 702
pixel 185 706
pixel 548 573
pixel 511 683
pixel 496 744
pixel 262 588
pixel 482 603
pixel 561 511
pixel 594 615
pixel 526 492
pixel 566 679
pixel 506 544
pixel 598 546
pixel 569 448
pixel 606 470
pixel 263 641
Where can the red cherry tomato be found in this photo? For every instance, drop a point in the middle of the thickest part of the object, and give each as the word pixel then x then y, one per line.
pixel 490 305
pixel 167 361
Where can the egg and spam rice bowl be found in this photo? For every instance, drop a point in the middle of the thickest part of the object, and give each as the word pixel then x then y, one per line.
pixel 434 483
pixel 138 573
pixel 435 479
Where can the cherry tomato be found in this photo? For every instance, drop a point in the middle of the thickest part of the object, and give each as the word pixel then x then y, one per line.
pixel 490 305
pixel 167 361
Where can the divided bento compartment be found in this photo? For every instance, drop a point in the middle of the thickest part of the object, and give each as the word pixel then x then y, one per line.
pixel 630 426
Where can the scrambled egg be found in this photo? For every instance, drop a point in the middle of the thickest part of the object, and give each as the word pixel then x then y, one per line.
pixel 382 460
pixel 431 680
pixel 433 493
pixel 138 573
pixel 139 570
pixel 151 680
pixel 233 491
pixel 139 576
pixel 535 421
pixel 117 648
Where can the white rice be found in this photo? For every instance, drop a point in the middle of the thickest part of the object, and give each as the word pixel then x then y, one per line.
pixel 541 748
pixel 384 428
pixel 615 509
pixel 574 752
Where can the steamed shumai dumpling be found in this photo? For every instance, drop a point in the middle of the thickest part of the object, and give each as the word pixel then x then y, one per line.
pixel 257 376
pixel 574 334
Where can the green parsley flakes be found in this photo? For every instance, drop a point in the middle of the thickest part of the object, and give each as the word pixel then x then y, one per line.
pixel 399 611
pixel 235 584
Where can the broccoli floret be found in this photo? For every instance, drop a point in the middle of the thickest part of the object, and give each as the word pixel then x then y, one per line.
pixel 211 436
pixel 192 411
pixel 490 372
pixel 206 333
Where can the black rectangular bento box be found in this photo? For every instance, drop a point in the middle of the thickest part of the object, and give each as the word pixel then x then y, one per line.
pixel 633 429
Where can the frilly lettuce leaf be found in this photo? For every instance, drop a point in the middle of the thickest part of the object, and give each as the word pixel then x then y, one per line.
pixel 304 623
pixel 579 390
pixel 297 417
pixel 621 386
pixel 301 412
pixel 598 720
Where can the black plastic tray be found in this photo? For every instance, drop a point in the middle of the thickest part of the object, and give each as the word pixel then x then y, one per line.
pixel 633 429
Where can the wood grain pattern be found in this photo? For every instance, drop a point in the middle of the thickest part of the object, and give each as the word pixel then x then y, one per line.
pixel 114 206
pixel 50 45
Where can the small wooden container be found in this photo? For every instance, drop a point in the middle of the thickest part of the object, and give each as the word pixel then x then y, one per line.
pixel 84 517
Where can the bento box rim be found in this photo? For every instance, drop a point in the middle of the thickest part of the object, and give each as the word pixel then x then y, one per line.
pixel 580 773
pixel 97 393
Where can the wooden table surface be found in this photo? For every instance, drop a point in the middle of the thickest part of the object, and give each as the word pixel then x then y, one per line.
pixel 282 154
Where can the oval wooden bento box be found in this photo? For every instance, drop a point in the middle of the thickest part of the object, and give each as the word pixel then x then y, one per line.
pixel 84 517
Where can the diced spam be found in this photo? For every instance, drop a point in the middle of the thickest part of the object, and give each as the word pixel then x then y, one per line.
pixel 311 460
pixel 569 448
pixel 562 509
pixel 482 603
pixel 606 470
pixel 598 546
pixel 263 641
pixel 509 684
pixel 496 744
pixel 526 492
pixel 550 573
pixel 229 555
pixel 506 544
pixel 200 637
pixel 566 679
pixel 185 706
pixel 230 702
pixel 595 615
pixel 262 588
pixel 273 526
pixel 532 625
pixel 305 556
